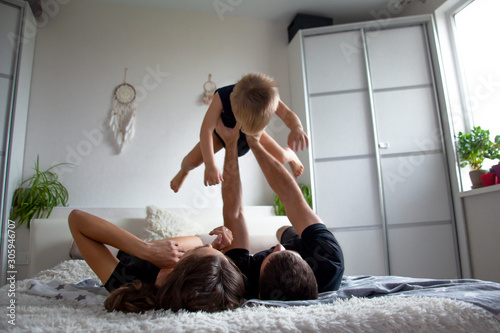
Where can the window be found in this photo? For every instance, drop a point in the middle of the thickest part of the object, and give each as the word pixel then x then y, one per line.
pixel 477 31
pixel 478 46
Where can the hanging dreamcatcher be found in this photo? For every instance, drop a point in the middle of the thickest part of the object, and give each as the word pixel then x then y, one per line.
pixel 209 88
pixel 123 113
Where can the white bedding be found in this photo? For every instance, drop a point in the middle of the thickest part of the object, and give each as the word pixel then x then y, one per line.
pixel 380 314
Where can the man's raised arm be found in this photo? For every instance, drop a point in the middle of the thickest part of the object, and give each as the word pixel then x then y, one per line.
pixel 297 210
pixel 231 189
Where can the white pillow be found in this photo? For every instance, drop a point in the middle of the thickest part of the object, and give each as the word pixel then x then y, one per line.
pixel 161 224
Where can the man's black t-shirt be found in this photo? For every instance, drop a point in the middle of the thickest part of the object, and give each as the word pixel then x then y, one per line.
pixel 317 246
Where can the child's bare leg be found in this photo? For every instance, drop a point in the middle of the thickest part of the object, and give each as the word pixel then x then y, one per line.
pixel 192 160
pixel 283 155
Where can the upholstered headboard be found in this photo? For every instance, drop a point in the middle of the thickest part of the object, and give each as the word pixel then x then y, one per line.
pixel 50 239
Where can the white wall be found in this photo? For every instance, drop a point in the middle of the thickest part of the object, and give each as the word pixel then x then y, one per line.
pixel 481 211
pixel 81 53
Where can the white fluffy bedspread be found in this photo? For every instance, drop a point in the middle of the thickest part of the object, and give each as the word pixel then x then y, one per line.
pixel 381 314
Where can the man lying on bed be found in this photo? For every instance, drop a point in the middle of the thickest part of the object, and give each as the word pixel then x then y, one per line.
pixel 308 259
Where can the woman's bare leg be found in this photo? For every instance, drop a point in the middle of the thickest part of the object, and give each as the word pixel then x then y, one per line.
pixel 283 155
pixel 192 160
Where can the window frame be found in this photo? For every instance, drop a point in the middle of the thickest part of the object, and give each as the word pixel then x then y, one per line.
pixel 467 116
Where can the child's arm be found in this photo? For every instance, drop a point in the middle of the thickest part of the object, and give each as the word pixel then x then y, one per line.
pixel 297 137
pixel 212 173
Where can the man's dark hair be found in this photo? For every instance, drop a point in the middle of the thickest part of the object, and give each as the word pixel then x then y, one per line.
pixel 287 277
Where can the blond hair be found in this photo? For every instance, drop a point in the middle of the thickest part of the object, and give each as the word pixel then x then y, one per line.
pixel 254 100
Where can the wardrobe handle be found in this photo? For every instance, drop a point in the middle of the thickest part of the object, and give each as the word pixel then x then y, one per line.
pixel 384 145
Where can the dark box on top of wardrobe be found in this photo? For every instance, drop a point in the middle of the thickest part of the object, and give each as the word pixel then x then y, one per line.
pixel 305 21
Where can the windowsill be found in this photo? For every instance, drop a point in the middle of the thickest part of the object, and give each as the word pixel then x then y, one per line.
pixel 481 190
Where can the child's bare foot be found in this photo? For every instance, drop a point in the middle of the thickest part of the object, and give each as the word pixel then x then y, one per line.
pixel 294 162
pixel 176 182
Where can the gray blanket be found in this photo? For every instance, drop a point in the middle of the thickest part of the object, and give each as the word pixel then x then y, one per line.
pixel 86 292
pixel 481 293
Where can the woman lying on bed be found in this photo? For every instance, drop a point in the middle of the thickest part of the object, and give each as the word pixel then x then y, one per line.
pixel 176 273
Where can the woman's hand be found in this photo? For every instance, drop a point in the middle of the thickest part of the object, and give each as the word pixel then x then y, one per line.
pixel 298 138
pixel 224 238
pixel 164 253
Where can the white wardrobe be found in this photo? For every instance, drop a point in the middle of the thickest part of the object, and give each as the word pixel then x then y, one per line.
pixel 377 164
pixel 18 29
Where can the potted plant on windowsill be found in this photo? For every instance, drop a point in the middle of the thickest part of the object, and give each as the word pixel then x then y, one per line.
pixel 472 149
pixel 491 153
pixel 488 179
pixel 496 156
pixel 37 195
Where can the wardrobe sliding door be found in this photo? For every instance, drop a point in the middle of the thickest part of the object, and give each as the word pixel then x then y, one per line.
pixel 342 144
pixel 17 46
pixel 10 19
pixel 415 184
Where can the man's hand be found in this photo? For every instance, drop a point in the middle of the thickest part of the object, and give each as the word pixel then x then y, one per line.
pixel 164 253
pixel 253 139
pixel 224 238
pixel 298 138
pixel 229 135
pixel 212 176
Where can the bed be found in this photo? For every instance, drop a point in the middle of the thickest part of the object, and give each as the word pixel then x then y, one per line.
pixel 64 295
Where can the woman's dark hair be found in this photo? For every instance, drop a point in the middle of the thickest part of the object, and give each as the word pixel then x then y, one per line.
pixel 199 283
pixel 132 297
pixel 205 283
pixel 287 277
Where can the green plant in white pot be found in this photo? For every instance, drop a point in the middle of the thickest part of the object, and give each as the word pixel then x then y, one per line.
pixel 279 209
pixel 472 149
pixel 37 196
